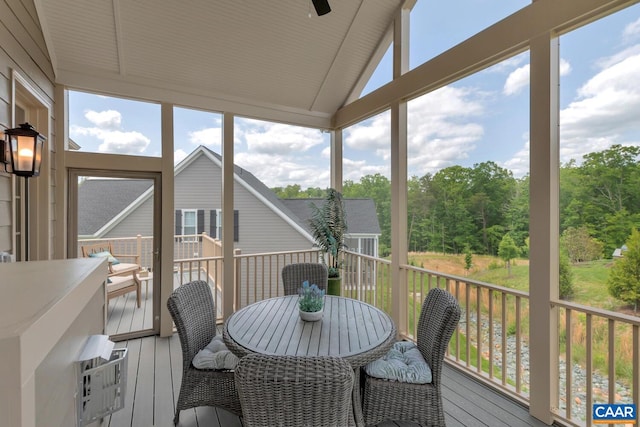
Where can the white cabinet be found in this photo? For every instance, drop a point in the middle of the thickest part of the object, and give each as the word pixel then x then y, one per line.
pixel 48 309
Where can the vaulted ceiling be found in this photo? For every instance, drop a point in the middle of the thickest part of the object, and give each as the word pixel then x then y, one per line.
pixel 268 59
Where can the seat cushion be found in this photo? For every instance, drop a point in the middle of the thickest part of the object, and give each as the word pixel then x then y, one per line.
pixel 403 363
pixel 215 355
pixel 112 260
pixel 123 266
pixel 115 283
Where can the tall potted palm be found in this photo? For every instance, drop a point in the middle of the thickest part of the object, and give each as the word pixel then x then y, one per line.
pixel 328 227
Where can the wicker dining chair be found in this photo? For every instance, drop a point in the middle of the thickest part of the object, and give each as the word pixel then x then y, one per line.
pixel 294 274
pixel 294 391
pixel 422 403
pixel 193 311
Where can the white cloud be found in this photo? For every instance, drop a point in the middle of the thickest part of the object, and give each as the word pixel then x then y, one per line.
pixel 281 155
pixel 444 127
pixel 281 170
pixel 509 64
pixel 631 31
pixel 114 141
pixel 519 163
pixel 605 110
pixel 565 67
pixel 179 155
pixel 207 137
pixel 109 119
pixel 107 130
pixel 280 139
pixel 354 170
pixel 442 131
pixel 519 78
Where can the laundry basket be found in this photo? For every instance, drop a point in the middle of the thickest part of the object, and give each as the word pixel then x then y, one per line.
pixel 101 386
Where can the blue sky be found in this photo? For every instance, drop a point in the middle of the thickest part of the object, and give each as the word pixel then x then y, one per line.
pixel 479 118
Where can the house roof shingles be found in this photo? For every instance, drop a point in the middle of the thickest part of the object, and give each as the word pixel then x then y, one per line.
pixel 360 214
pixel 101 199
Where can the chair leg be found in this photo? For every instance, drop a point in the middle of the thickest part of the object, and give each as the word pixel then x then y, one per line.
pixel 138 292
pixel 176 418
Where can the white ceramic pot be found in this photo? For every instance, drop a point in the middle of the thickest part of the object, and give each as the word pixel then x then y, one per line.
pixel 310 316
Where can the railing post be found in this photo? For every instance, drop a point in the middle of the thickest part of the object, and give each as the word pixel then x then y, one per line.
pixel 236 278
pixel 544 224
pixel 139 247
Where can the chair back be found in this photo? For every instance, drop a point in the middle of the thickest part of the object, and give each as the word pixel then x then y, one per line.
pixel 438 319
pixel 193 311
pixel 294 390
pixel 294 274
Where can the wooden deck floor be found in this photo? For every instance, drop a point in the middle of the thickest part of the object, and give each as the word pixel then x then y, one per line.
pixel 155 370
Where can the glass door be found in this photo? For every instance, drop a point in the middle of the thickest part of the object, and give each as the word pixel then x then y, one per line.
pixel 116 217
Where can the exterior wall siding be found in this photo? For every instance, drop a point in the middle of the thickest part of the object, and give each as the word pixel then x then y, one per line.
pixel 139 221
pixel 22 48
pixel 198 187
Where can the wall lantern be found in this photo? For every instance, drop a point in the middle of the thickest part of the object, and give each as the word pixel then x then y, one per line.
pixel 22 149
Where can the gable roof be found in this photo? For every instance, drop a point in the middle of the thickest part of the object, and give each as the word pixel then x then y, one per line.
pixel 360 214
pixel 102 203
pixel 275 60
pixel 100 200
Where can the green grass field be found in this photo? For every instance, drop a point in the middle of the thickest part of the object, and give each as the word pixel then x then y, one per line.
pixel 589 282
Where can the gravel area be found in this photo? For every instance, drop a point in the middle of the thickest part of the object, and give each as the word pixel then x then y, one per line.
pixel 578 407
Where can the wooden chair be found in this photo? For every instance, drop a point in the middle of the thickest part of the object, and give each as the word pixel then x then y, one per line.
pixel 193 311
pixel 122 277
pixel 294 274
pixel 123 283
pixel 293 391
pixel 422 403
pixel 103 248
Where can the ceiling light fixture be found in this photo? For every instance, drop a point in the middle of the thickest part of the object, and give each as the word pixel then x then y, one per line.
pixel 322 7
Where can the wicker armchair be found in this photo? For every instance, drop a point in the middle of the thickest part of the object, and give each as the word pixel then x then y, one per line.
pixel 294 274
pixel 421 403
pixel 294 390
pixel 193 311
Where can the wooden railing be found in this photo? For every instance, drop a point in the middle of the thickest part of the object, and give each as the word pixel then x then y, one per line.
pixel 599 349
pixel 604 350
pixel 479 345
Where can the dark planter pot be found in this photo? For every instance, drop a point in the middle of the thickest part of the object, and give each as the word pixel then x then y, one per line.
pixel 334 285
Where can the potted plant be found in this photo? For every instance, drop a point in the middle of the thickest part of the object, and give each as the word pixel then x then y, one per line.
pixel 328 227
pixel 311 302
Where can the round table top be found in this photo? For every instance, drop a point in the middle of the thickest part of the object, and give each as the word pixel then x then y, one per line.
pixel 351 329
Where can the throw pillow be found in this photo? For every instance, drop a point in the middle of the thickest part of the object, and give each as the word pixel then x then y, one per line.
pixel 113 260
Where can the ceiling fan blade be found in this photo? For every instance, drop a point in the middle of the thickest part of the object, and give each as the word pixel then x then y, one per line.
pixel 322 7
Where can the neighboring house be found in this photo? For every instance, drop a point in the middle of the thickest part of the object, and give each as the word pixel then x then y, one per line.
pixel 619 252
pixel 263 222
pixel 363 228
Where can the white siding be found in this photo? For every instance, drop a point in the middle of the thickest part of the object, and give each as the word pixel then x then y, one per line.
pixel 198 186
pixel 22 48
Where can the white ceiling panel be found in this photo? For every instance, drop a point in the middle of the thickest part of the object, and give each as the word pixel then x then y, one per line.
pixel 270 54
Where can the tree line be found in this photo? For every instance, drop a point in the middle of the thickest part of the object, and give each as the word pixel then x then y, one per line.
pixel 473 208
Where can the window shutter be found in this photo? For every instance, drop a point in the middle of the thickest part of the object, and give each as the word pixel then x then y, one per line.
pixel 212 223
pixel 178 222
pixel 236 226
pixel 200 226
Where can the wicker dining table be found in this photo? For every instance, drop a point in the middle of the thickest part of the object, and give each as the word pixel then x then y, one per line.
pixel 353 330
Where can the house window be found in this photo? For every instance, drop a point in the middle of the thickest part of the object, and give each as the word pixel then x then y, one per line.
pixel 189 221
pixel 219 222
pixel 215 224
